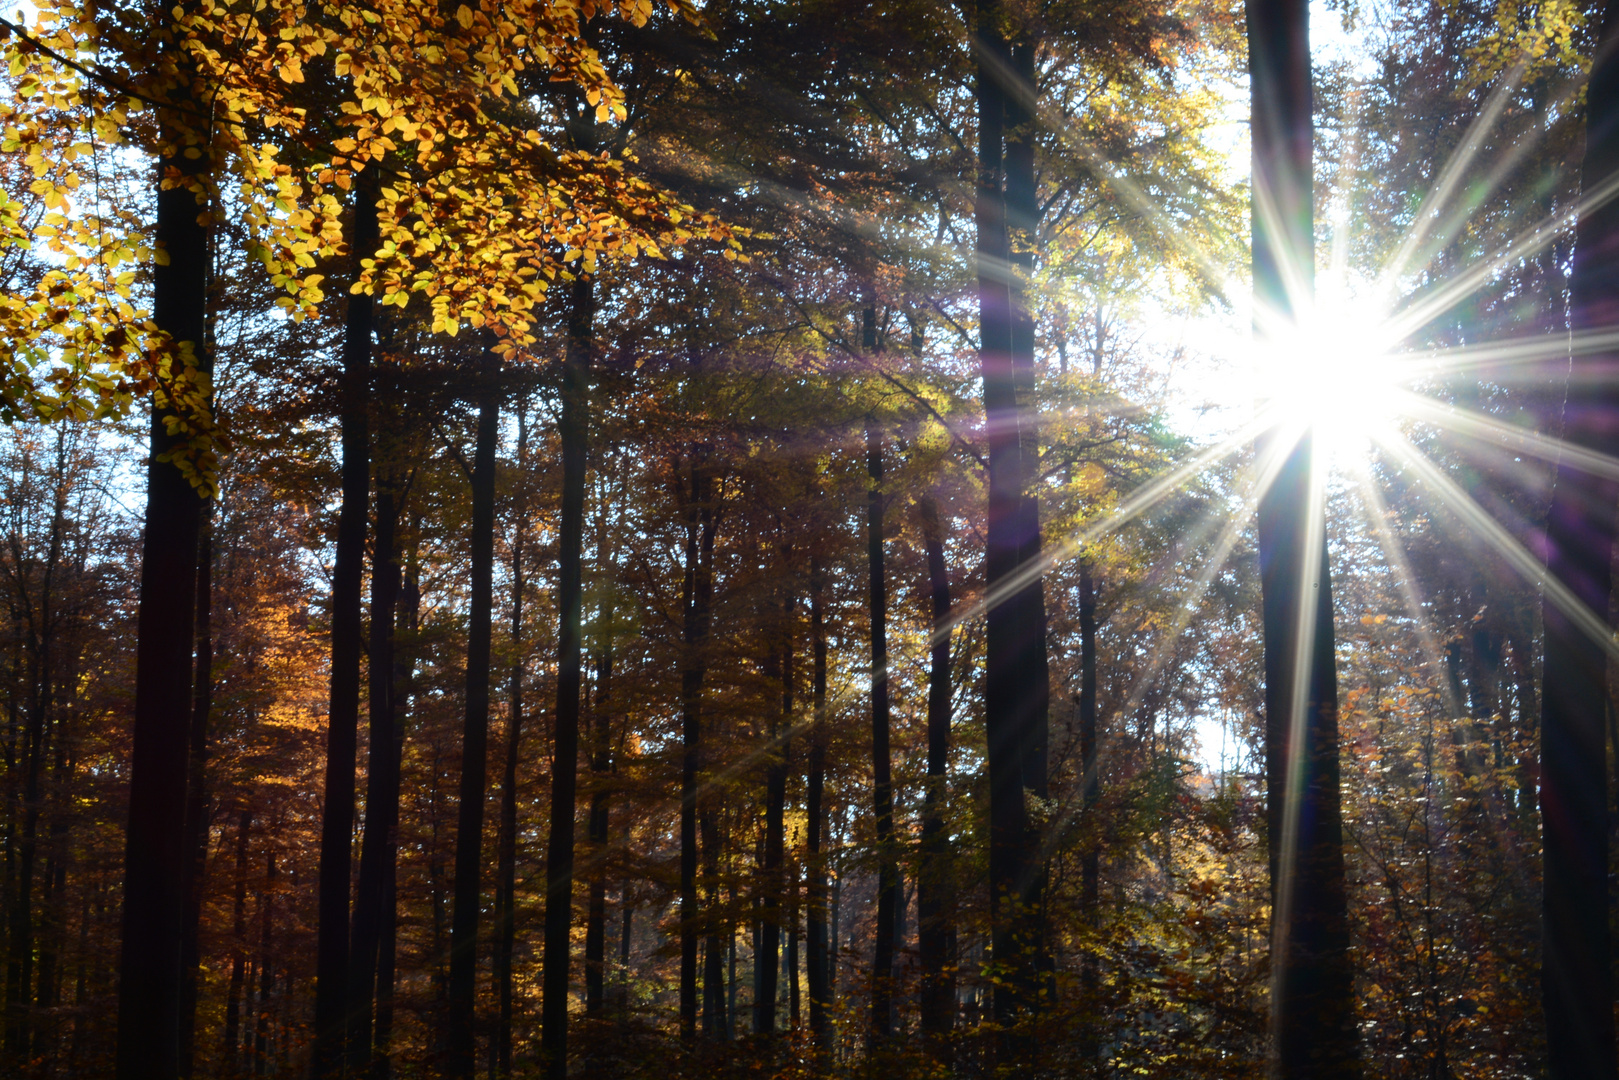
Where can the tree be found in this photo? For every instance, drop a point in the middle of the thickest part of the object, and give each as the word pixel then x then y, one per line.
pixel 1312 998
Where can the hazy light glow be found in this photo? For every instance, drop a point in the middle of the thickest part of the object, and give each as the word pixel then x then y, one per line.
pixel 1335 373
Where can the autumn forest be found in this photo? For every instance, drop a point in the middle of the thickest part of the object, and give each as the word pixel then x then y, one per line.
pixel 743 538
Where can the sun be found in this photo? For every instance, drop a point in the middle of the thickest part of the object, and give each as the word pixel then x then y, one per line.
pixel 1334 373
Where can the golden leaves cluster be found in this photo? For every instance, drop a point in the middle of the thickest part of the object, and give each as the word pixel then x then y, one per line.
pixel 269 109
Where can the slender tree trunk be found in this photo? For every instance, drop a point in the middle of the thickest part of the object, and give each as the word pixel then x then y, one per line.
pixel 794 1005
pixel 377 850
pixel 778 665
pixel 1576 976
pixel 342 732
pixel 262 1014
pixel 815 810
pixel 197 810
pixel 238 959
pixel 1312 992
pixel 935 891
pixel 506 890
pixel 600 767
pixel 714 1013
pixel 155 850
pixel 575 435
pixel 404 676
pixel 1090 863
pixel 880 1024
pixel 461 1036
pixel 698 593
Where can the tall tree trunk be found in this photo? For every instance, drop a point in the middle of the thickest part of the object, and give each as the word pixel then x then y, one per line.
pixel 377 844
pixel 155 849
pixel 197 811
pixel 1576 977
pixel 506 856
pixel 935 891
pixel 409 604
pixel 262 1014
pixel 238 958
pixel 343 720
pixel 1015 688
pixel 698 591
pixel 1312 991
pixel 1090 861
pixel 880 1024
pixel 715 1025
pixel 815 810
pixel 574 429
pixel 778 666
pixel 600 797
pixel 461 1035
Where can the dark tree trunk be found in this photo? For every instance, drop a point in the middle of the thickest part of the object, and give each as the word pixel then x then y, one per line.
pixel 600 768
pixel 155 851
pixel 409 604
pixel 197 810
pixel 935 890
pixel 461 1034
pixel 1015 687
pixel 880 1023
pixel 1312 991
pixel 715 1024
pixel 40 618
pixel 574 429
pixel 238 959
pixel 1090 858
pixel 698 593
pixel 778 665
pixel 815 810
pixel 1576 978
pixel 342 733
pixel 377 845
pixel 262 1014
pixel 506 856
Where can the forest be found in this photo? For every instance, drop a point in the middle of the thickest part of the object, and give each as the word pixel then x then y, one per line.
pixel 743 538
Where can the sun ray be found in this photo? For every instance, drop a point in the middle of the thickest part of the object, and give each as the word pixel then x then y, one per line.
pixel 1132 507
pixel 1230 533
pixel 1312 563
pixel 1429 214
pixel 1377 516
pixel 1513 352
pixel 1447 294
pixel 1482 427
pixel 1450 495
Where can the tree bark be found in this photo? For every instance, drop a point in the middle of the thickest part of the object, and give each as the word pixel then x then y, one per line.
pixel 1015 688
pixel 378 843
pixel 880 1022
pixel 698 590
pixel 935 891
pixel 197 812
pixel 600 798
pixel 1312 993
pixel 342 733
pixel 461 1036
pixel 155 850
pixel 1576 976
pixel 815 810
pixel 238 959
pixel 1090 859
pixel 506 855
pixel 778 666
pixel 575 435
pixel 262 1015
